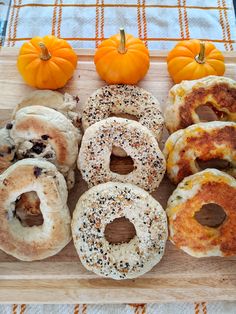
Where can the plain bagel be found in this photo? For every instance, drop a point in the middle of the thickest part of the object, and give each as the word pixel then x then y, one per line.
pixel 124 99
pixel 208 186
pixel 37 242
pixel 98 207
pixel 136 140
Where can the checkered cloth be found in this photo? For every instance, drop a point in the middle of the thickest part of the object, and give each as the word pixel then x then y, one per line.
pixel 168 308
pixel 160 23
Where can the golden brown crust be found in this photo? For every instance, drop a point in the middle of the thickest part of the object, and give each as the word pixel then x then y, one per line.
pixel 217 92
pixel 222 94
pixel 37 242
pixel 204 141
pixel 208 186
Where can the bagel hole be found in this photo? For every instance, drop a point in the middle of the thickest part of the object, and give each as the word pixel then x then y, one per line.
pixel 213 163
pixel 121 165
pixel 27 210
pixel 120 230
pixel 210 215
pixel 124 116
pixel 207 113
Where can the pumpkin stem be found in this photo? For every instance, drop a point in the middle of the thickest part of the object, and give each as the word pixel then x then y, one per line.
pixel 122 48
pixel 45 54
pixel 200 58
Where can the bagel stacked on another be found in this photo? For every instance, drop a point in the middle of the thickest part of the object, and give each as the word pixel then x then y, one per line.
pixel 203 141
pixel 137 139
pixel 108 201
pixel 41 140
pixel 44 125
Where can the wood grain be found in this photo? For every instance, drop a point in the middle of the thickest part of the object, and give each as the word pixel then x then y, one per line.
pixel 62 278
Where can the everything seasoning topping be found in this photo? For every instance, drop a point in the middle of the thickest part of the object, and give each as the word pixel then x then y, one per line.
pixel 149 163
pixel 98 209
pixel 124 99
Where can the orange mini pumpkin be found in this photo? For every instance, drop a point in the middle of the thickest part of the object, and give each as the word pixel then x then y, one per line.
pixel 122 59
pixel 46 63
pixel 193 59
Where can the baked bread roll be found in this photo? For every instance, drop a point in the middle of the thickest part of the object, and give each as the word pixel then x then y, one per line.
pixel 100 206
pixel 64 103
pixel 124 99
pixel 204 141
pixel 216 91
pixel 205 187
pixel 44 132
pixel 136 140
pixel 36 242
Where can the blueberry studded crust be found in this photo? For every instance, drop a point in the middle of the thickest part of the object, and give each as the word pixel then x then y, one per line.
pixel 117 99
pixel 102 204
pixel 137 141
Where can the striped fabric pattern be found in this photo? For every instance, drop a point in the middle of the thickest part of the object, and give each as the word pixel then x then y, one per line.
pixel 160 23
pixel 167 308
pixel 84 23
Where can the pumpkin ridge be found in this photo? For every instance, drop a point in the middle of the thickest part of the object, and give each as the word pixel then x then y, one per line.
pixel 59 68
pixel 184 68
pixel 54 76
pixel 63 60
pixel 100 55
pixel 105 55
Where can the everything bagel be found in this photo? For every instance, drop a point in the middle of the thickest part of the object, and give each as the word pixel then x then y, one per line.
pixel 136 140
pixel 216 91
pixel 98 207
pixel 206 141
pixel 124 99
pixel 37 242
pixel 208 186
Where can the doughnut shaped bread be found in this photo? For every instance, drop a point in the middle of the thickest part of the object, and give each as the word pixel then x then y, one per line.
pixel 98 207
pixel 208 186
pixel 44 132
pixel 124 99
pixel 217 91
pixel 36 242
pixel 206 141
pixel 136 140
pixel 64 103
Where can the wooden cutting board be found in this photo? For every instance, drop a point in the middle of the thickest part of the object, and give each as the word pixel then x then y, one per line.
pixel 62 278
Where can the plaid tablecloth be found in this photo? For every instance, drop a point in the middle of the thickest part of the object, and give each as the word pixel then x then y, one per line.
pixel 84 23
pixel 160 23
